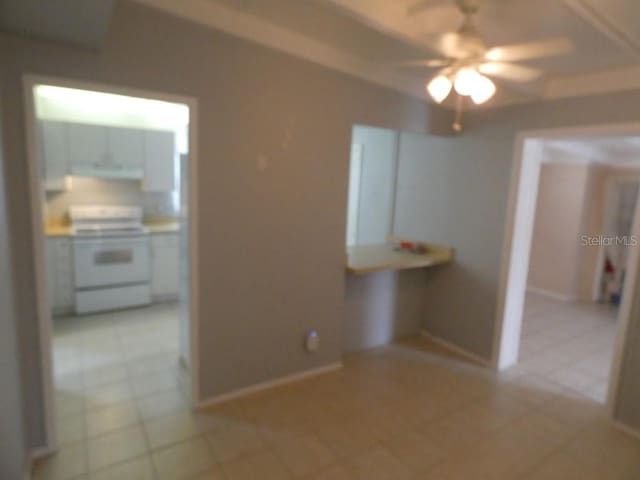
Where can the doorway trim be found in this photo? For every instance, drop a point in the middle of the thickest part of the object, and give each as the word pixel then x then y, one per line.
pixel 517 243
pixel 36 196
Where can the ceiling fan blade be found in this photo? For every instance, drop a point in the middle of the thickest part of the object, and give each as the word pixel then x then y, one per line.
pixel 422 5
pixel 449 45
pixel 429 63
pixel 509 71
pixel 523 51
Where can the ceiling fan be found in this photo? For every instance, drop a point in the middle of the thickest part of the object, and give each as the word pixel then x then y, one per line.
pixel 468 61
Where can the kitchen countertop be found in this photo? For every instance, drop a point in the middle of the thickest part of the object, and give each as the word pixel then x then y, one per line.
pixel 57 230
pixel 60 230
pixel 363 259
pixel 171 227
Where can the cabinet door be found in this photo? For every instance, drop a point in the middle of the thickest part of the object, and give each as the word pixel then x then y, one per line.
pixel 53 148
pixel 50 252
pixel 88 148
pixel 159 165
pixel 126 146
pixel 59 273
pixel 165 268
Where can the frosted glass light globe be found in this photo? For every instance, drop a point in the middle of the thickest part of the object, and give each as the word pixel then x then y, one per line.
pixel 483 90
pixel 439 88
pixel 466 79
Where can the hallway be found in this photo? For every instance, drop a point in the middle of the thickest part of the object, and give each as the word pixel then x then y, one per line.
pixel 569 343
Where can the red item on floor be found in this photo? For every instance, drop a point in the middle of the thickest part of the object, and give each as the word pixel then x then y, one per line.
pixel 608 266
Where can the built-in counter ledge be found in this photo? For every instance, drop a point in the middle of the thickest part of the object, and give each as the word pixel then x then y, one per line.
pixel 363 259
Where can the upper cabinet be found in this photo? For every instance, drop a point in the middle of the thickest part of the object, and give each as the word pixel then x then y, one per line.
pixel 53 148
pixel 87 148
pixel 159 168
pixel 126 150
pixel 113 152
pixel 106 152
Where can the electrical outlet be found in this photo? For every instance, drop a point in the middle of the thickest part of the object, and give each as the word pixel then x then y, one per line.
pixel 313 341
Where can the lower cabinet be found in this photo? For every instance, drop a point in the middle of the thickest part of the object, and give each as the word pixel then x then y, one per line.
pixel 60 274
pixel 165 266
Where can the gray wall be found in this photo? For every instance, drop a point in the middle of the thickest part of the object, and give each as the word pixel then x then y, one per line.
pixel 377 183
pixel 12 440
pixel 275 236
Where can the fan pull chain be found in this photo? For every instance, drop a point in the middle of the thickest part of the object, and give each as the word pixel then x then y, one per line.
pixel 457 123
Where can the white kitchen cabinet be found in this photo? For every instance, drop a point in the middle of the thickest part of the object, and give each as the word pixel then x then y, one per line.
pixel 60 274
pixel 126 149
pixel 53 149
pixel 159 161
pixel 106 152
pixel 165 266
pixel 87 148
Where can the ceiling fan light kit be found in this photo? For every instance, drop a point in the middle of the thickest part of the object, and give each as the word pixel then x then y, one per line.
pixel 467 60
pixel 467 81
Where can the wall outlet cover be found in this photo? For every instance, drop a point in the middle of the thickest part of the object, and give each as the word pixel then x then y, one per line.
pixel 313 341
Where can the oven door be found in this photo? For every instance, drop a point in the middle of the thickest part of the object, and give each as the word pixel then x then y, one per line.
pixel 102 262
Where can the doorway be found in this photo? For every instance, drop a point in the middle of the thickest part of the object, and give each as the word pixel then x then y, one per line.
pixel 112 185
pixel 552 314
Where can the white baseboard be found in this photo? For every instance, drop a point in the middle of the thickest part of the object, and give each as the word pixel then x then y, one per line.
pixel 456 349
pixel 36 454
pixel 626 429
pixel 550 294
pixel 258 387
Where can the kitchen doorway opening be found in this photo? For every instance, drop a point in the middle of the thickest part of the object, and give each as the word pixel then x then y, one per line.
pixel 114 232
pixel 571 252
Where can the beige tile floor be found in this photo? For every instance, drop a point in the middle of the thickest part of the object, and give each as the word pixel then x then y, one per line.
pixel 569 343
pixel 407 411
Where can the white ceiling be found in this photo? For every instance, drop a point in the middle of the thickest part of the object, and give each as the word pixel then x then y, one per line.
pixel 604 33
pixel 366 38
pixel 614 151
pixel 500 22
pixel 383 32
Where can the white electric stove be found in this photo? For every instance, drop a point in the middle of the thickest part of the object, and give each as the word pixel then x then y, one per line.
pixel 111 258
